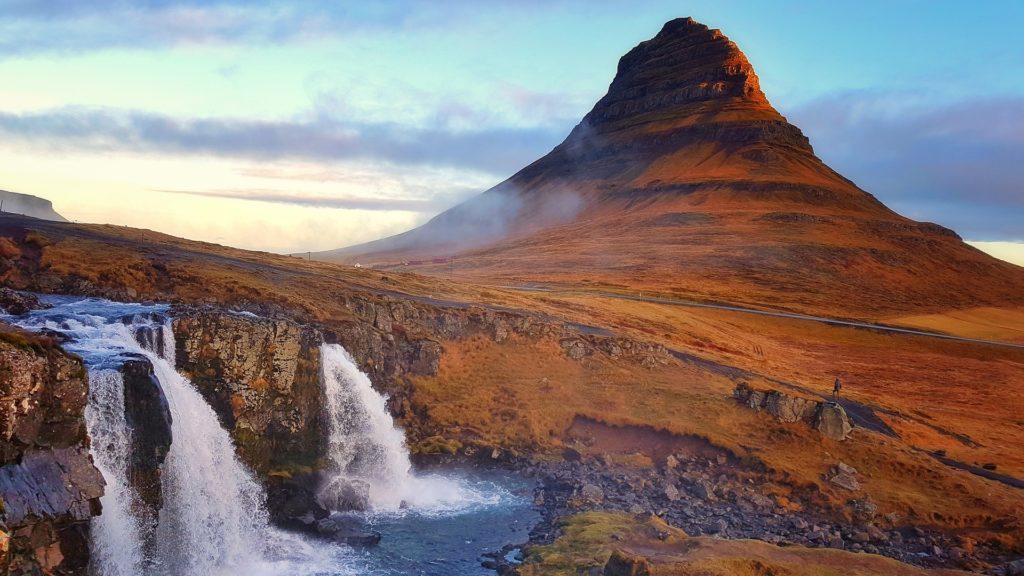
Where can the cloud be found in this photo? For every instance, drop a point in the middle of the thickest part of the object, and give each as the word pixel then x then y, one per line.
pixel 956 163
pixel 1012 252
pixel 73 26
pixel 319 201
pixel 492 149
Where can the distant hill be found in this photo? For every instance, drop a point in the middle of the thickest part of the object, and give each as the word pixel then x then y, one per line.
pixel 684 179
pixel 34 206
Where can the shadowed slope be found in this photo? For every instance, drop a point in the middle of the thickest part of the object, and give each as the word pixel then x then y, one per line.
pixel 684 179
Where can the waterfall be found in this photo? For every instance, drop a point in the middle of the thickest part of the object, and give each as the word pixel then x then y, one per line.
pixel 117 533
pixel 213 515
pixel 213 521
pixel 369 465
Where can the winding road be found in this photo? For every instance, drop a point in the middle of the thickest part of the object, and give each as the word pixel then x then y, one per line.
pixel 790 315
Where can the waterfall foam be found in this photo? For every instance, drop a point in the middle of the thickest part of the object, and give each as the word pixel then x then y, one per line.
pixel 369 462
pixel 213 521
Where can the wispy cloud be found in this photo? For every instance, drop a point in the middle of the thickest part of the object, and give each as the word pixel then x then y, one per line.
pixel 497 150
pixel 432 204
pixel 957 163
pixel 32 26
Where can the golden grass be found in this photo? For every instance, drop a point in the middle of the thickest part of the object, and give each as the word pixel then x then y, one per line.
pixel 590 538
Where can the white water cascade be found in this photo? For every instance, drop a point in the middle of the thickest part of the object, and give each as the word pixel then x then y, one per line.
pixel 368 457
pixel 213 521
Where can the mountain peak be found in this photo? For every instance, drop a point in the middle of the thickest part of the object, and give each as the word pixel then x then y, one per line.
pixel 684 65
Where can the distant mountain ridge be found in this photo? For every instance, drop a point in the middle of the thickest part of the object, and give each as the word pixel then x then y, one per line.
pixel 683 178
pixel 28 205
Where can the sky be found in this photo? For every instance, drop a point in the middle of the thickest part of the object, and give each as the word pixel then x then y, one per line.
pixel 295 126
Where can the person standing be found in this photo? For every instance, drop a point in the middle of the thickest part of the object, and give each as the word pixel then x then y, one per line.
pixel 836 388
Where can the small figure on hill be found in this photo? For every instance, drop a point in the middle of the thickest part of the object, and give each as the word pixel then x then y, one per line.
pixel 836 388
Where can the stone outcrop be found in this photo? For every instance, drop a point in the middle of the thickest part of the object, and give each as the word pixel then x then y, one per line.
pixel 828 418
pixel 49 487
pixel 262 377
pixel 149 418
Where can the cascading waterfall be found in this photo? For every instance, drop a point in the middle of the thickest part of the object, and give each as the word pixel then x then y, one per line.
pixel 369 462
pixel 117 532
pixel 213 520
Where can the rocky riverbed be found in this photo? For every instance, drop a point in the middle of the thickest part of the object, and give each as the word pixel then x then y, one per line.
pixel 717 496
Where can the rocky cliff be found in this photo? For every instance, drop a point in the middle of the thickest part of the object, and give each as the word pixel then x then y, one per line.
pixel 29 205
pixel 49 487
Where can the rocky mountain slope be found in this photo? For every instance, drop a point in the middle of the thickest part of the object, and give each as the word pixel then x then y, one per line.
pixel 28 205
pixel 684 179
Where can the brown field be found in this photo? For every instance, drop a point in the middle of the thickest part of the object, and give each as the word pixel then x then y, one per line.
pixel 524 395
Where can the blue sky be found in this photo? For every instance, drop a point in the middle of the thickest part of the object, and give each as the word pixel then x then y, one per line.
pixel 294 126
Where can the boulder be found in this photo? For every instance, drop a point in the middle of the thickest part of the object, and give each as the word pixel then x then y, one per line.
pixel 832 422
pixel 786 408
pixel 592 493
pixel 847 481
pixel 672 493
pixel 347 530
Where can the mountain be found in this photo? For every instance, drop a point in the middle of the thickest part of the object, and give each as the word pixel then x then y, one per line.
pixel 683 179
pixel 28 205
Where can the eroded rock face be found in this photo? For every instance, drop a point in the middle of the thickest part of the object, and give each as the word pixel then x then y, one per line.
pixel 262 377
pixel 49 486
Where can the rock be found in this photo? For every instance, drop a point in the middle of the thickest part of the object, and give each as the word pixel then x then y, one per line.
pixel 845 481
pixel 704 490
pixel 17 303
pixel 1015 568
pixel 622 563
pixel 716 526
pixel 786 408
pixel 149 418
pixel 827 417
pixel 832 422
pixel 846 468
pixel 344 495
pixel 861 537
pixel 346 530
pixel 592 493
pixel 672 493
pixel 49 486
pixel 671 462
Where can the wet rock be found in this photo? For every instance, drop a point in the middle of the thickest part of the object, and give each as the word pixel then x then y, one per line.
pixel 346 530
pixel 345 495
pixel 49 487
pixel 149 418
pixel 17 303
